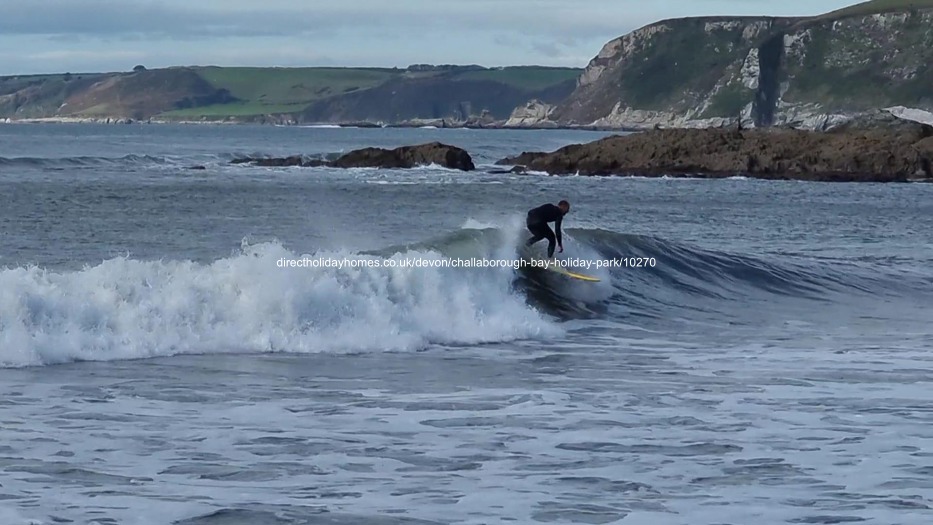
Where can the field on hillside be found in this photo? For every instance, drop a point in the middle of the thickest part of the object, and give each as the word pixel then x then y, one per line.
pixel 277 86
pixel 279 90
pixel 235 109
pixel 264 91
pixel 527 78
pixel 878 6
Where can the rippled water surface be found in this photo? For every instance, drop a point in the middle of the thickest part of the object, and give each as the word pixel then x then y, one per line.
pixel 159 366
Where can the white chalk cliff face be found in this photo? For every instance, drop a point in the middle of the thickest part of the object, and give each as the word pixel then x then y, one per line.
pixel 713 72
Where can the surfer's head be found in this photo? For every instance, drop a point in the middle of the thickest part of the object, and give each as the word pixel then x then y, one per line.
pixel 564 206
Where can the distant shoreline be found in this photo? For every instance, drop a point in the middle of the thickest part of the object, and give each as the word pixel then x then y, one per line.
pixel 322 125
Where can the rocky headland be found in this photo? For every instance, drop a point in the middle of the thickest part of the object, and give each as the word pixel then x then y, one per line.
pixel 899 152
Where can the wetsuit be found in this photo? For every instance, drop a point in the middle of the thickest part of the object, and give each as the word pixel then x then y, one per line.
pixel 537 224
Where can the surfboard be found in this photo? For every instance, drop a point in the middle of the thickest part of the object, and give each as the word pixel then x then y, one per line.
pixel 556 268
pixel 527 253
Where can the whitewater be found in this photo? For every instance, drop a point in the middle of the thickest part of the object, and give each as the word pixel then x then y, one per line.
pixel 754 350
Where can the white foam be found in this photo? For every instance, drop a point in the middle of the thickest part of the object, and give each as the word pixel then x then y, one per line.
pixel 478 224
pixel 10 516
pixel 126 308
pixel 435 167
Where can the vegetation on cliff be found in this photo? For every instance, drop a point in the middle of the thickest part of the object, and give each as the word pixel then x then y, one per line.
pixel 877 6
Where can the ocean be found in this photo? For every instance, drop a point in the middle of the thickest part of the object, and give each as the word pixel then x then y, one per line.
pixel 159 365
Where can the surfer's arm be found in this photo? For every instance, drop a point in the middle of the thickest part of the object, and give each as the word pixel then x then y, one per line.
pixel 560 243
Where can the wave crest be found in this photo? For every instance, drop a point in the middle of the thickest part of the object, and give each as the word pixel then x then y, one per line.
pixel 126 308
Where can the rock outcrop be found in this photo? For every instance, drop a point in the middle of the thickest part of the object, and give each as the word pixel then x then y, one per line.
pixel 856 154
pixel 434 153
pixel 806 73
pixel 408 157
pixel 533 114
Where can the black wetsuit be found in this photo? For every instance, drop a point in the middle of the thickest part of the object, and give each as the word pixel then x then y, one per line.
pixel 537 224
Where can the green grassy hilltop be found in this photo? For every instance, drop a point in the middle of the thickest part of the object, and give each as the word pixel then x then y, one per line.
pixel 878 6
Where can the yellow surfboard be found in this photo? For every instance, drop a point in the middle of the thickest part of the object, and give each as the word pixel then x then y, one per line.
pixel 556 268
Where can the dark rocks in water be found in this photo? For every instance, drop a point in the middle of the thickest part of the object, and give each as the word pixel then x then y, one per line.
pixel 198 167
pixel 886 154
pixel 361 124
pixel 279 162
pixel 521 160
pixel 294 160
pixel 405 157
pixel 516 170
pixel 450 157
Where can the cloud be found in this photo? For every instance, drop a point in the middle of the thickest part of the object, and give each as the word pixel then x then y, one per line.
pixel 578 19
pixel 283 17
pixel 104 18
pixel 79 34
pixel 78 55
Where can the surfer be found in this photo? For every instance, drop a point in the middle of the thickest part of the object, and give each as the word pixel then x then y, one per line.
pixel 537 224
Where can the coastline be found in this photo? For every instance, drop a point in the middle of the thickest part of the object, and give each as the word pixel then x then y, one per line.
pixel 320 125
pixel 882 148
pixel 901 151
pixel 877 118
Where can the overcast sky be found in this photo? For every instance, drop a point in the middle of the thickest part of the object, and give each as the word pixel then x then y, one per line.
pixel 46 36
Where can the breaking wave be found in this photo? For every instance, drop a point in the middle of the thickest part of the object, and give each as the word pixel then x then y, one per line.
pixel 125 308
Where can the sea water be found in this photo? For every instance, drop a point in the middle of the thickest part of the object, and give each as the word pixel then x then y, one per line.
pixel 159 366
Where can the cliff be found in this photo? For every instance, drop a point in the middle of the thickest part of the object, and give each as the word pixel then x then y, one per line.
pixel 811 73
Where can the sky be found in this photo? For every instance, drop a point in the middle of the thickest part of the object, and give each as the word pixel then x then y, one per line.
pixel 57 36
